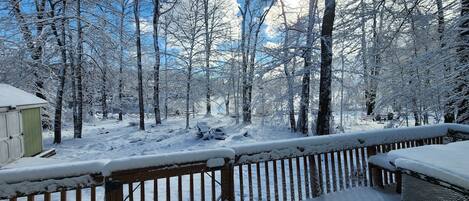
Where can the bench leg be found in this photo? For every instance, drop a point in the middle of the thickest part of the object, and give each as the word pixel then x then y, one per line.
pixel 377 176
pixel 398 182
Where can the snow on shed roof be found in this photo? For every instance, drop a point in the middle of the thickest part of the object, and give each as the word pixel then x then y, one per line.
pixel 12 96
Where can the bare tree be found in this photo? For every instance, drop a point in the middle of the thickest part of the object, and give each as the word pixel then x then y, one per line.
pixel 255 15
pixel 139 65
pixel 156 68
pixel 34 44
pixel 304 100
pixel 78 75
pixel 123 4
pixel 461 90
pixel 289 76
pixel 63 71
pixel 208 46
pixel 448 113
pixel 187 31
pixel 325 110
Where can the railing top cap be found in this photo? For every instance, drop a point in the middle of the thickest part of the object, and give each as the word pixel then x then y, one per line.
pixel 353 139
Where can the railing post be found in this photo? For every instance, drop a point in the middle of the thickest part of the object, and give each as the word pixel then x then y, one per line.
pixel 375 174
pixel 315 180
pixel 227 182
pixel 113 190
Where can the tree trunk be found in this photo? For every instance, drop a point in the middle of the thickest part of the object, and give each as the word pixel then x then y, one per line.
pixel 156 67
pixel 62 73
pixel 121 57
pixel 448 112
pixel 374 71
pixel 166 98
pixel 34 45
pixel 139 65
pixel 289 77
pixel 104 91
pixel 324 114
pixel 188 90
pixel 245 54
pixel 79 124
pixel 462 78
pixel 364 57
pixel 304 100
pixel 207 59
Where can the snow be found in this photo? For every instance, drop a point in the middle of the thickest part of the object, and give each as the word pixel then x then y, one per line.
pixel 11 96
pixel 448 163
pixel 322 144
pixel 31 161
pixel 360 193
pixel 167 160
pixel 59 170
pixel 383 160
pixel 28 187
pixel 111 139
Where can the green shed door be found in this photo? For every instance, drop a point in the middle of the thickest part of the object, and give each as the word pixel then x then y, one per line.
pixel 32 131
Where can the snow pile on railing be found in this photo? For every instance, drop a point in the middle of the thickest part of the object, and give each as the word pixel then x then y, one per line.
pixel 173 159
pixel 322 144
pixel 45 178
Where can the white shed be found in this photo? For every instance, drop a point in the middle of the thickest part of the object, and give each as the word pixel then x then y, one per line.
pixel 20 123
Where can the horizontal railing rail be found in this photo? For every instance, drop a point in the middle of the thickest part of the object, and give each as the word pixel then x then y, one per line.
pixel 281 170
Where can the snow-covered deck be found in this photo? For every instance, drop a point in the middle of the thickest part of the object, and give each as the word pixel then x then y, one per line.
pixel 332 167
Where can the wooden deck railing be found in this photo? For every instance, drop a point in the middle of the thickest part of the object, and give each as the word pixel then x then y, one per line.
pixel 283 170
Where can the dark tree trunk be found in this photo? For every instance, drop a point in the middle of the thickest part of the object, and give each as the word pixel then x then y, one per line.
pixel 156 67
pixel 121 58
pixel 62 73
pixel 166 88
pixel 374 71
pixel 207 59
pixel 79 122
pixel 139 65
pixel 364 57
pixel 462 78
pixel 324 114
pixel 448 112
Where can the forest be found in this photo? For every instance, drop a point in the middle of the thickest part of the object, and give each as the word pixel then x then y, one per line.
pixel 301 64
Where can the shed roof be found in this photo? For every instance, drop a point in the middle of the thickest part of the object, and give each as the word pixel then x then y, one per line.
pixel 13 97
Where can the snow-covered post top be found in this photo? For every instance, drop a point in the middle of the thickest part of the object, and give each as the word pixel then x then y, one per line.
pixel 322 144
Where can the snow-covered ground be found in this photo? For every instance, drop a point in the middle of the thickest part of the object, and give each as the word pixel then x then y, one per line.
pixel 108 139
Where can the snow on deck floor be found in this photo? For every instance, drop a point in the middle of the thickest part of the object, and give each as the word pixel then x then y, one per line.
pixel 360 193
